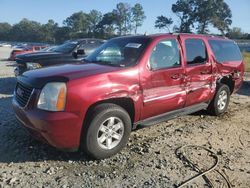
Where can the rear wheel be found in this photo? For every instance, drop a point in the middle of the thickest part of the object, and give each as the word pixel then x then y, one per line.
pixel 220 102
pixel 107 132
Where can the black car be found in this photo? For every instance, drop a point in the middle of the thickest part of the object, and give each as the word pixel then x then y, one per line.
pixel 72 51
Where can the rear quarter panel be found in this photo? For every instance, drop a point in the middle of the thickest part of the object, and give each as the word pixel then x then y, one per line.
pixel 234 69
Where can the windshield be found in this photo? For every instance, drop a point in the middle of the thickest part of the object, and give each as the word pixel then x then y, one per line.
pixel 121 52
pixel 67 47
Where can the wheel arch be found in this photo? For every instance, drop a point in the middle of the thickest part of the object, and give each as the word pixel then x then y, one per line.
pixel 227 80
pixel 125 102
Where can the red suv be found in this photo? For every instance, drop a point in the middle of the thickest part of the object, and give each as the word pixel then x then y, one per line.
pixel 128 81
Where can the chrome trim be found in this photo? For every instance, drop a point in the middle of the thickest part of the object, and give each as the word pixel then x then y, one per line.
pixel 164 96
pixel 197 88
pixel 31 94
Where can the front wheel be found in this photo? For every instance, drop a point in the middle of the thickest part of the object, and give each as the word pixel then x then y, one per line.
pixel 220 102
pixel 107 131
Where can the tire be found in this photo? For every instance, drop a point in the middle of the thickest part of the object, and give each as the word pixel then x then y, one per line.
pixel 100 140
pixel 220 102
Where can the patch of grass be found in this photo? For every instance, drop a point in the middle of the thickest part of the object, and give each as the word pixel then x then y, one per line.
pixel 246 56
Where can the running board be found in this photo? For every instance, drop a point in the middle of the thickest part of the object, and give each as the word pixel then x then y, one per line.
pixel 171 115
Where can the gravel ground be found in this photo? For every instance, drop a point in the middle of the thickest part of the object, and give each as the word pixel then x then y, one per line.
pixel 149 160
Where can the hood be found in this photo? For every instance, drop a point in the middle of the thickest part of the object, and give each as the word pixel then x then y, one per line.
pixel 63 73
pixel 38 56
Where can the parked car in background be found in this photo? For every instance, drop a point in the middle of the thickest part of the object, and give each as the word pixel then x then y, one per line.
pixel 48 49
pixel 71 51
pixel 5 44
pixel 23 50
pixel 128 81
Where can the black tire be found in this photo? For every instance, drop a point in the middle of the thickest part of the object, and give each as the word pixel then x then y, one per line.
pixel 213 107
pixel 99 115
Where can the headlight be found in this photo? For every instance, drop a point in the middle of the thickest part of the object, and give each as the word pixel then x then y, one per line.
pixel 53 97
pixel 31 66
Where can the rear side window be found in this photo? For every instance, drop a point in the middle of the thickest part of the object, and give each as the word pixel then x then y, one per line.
pixel 195 51
pixel 225 51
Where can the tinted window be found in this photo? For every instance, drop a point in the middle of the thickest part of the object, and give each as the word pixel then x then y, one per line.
pixel 119 51
pixel 196 51
pixel 67 47
pixel 165 55
pixel 225 50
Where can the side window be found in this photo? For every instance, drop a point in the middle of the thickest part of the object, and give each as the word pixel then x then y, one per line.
pixel 166 54
pixel 225 51
pixel 82 45
pixel 195 51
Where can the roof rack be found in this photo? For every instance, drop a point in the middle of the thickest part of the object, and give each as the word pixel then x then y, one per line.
pixel 208 35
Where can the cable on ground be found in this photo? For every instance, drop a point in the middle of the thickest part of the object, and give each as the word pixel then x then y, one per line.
pixel 180 153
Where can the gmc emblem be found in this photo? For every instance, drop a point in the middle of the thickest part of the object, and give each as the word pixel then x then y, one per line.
pixel 20 92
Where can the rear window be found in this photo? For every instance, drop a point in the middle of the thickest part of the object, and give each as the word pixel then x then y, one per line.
pixel 225 51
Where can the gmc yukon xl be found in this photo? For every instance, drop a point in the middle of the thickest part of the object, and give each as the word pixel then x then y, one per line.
pixel 128 81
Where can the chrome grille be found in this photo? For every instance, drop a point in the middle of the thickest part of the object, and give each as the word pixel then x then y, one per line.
pixel 22 94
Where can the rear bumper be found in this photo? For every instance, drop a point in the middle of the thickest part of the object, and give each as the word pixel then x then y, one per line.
pixel 237 84
pixel 59 129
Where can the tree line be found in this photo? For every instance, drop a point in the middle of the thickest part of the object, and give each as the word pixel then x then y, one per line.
pixel 193 16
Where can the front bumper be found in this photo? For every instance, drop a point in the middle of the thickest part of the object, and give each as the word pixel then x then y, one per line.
pixel 59 129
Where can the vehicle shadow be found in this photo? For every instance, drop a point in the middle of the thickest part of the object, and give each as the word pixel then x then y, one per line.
pixel 7 85
pixel 16 144
pixel 245 89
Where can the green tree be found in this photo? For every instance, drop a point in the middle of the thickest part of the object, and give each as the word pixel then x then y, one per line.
pixel 163 22
pixel 212 12
pixel 78 23
pixel 236 33
pixel 62 34
pixel 123 18
pixel 138 16
pixel 48 31
pixel 94 17
pixel 5 29
pixel 223 16
pixel 106 27
pixel 26 30
pixel 184 10
pixel 204 13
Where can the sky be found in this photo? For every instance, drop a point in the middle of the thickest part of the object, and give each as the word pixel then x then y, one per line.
pixel 12 11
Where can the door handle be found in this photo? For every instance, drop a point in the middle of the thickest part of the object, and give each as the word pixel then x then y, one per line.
pixel 178 76
pixel 205 72
pixel 175 76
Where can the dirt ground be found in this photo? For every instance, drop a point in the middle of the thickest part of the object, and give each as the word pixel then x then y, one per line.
pixel 149 160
